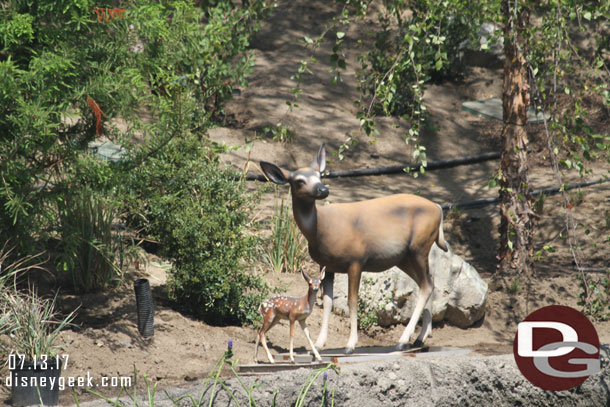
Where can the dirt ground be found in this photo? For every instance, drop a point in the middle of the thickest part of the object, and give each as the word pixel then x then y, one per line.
pixel 105 341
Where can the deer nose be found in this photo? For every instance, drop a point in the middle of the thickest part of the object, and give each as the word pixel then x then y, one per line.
pixel 321 191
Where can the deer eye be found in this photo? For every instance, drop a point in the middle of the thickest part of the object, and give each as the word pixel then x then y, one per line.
pixel 300 182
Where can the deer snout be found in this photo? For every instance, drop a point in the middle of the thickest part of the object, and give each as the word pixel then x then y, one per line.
pixel 321 191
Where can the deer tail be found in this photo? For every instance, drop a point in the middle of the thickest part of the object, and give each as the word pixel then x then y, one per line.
pixel 440 238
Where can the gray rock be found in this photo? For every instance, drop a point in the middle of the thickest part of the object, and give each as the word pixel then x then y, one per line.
pixel 459 294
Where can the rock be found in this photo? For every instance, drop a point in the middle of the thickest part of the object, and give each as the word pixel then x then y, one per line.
pixel 459 292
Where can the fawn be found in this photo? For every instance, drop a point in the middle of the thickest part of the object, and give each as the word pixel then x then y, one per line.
pixel 293 309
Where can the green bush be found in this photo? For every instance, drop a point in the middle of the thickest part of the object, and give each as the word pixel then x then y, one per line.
pixel 199 213
pixel 72 72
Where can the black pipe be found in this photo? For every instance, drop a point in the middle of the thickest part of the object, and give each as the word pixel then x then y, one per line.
pixel 479 203
pixel 399 169
pixel 144 304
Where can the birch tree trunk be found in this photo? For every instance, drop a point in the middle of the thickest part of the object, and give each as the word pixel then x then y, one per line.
pixel 517 218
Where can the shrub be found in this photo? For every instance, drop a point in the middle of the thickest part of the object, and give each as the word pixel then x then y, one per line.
pixel 71 72
pixel 199 212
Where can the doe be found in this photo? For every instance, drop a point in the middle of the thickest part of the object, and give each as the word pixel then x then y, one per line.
pixel 373 235
pixel 293 309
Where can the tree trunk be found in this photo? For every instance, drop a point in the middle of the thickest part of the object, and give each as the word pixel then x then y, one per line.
pixel 517 218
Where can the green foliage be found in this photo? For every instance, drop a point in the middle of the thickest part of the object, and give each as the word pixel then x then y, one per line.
pixel 410 51
pixel 515 287
pixel 89 247
pixel 367 311
pixel 571 80
pixel 594 296
pixel 71 72
pixel 198 212
pixel 29 324
pixel 286 250
pixel 33 324
pixel 539 204
pixel 280 132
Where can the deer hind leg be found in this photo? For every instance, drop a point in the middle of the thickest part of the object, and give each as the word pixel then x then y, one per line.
pixel 327 291
pixel 267 325
pixel 426 325
pixel 353 277
pixel 417 268
pixel 292 340
pixel 313 347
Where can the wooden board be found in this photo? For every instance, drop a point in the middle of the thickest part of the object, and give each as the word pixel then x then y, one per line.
pixel 339 357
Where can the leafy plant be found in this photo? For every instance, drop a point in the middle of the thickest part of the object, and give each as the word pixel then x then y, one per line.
pixel 280 132
pixel 74 72
pixel 515 287
pixel 199 212
pixel 367 311
pixel 597 304
pixel 286 249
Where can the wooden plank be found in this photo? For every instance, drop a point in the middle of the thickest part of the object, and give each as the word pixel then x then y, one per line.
pixel 261 368
pixel 335 356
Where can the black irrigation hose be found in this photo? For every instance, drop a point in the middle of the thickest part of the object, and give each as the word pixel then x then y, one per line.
pixel 479 203
pixel 442 164
pixel 399 169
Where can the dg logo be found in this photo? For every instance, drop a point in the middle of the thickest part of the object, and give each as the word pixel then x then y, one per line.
pixel 556 348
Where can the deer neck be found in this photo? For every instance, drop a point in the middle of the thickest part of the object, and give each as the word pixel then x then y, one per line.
pixel 311 299
pixel 306 216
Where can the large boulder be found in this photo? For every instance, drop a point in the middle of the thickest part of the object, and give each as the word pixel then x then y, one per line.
pixel 459 292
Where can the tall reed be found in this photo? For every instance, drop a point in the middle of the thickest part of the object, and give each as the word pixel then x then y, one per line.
pixel 286 250
pixel 89 248
pixel 33 324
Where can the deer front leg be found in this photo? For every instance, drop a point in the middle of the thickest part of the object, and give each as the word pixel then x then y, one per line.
pixel 327 290
pixel 291 340
pixel 353 277
pixel 313 347
pixel 264 341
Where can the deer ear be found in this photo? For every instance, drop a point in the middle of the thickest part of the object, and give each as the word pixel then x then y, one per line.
pixel 322 273
pixel 319 163
pixel 305 276
pixel 275 173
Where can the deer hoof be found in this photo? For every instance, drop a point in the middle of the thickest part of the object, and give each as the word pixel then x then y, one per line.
pixel 402 346
pixel 349 351
pixel 418 344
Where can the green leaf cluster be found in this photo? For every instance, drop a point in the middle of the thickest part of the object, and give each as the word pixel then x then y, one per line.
pixel 199 211
pixel 152 77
